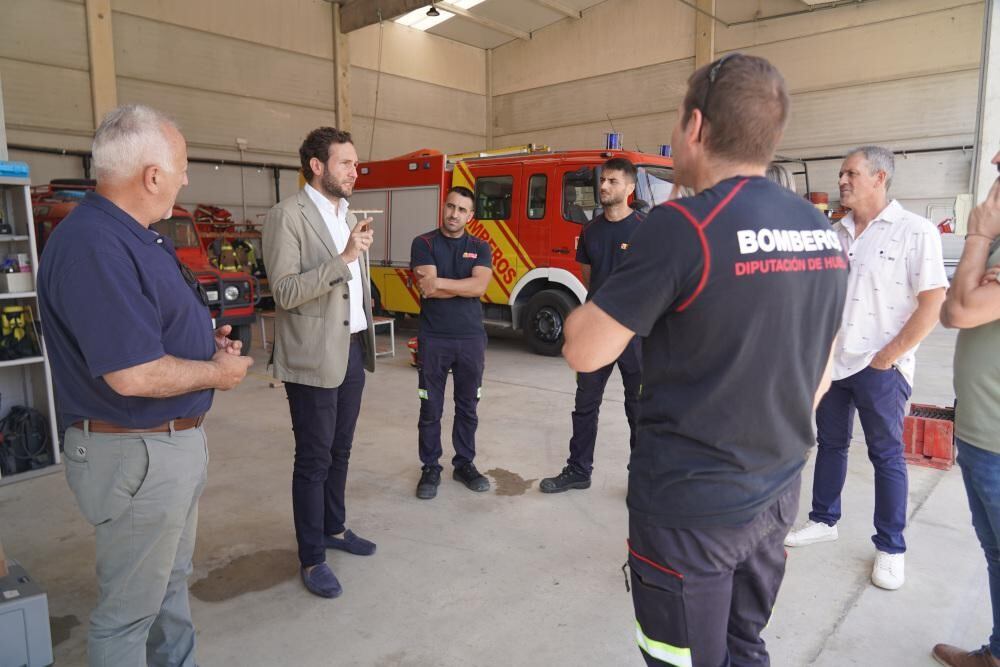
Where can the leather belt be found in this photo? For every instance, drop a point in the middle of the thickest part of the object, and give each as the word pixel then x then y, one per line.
pixel 178 424
pixel 356 336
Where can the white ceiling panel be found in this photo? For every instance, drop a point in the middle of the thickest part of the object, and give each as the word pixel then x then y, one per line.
pixel 523 15
pixel 467 32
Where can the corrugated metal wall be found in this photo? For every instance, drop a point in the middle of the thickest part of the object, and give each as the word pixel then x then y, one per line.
pixel 254 69
pixel 898 72
pixel 903 73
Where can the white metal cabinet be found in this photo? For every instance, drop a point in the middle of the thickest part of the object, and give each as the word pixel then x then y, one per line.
pixel 26 381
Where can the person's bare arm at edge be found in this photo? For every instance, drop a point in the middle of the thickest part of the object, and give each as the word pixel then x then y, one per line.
pixel 974 298
pixel 594 339
pixel 169 376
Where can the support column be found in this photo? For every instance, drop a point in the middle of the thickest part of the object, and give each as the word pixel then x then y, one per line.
pixel 3 127
pixel 988 118
pixel 341 73
pixel 101 49
pixel 489 99
pixel 704 33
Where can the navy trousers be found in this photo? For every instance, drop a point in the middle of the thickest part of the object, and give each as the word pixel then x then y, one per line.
pixel 323 421
pixel 590 395
pixel 703 595
pixel 465 358
pixel 879 397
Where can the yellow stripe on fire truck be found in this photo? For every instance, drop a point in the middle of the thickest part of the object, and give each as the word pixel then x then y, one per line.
pixel 510 259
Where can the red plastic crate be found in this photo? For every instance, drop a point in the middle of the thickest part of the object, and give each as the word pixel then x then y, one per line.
pixel 929 436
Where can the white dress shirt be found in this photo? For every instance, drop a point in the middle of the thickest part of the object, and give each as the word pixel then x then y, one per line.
pixel 897 256
pixel 336 222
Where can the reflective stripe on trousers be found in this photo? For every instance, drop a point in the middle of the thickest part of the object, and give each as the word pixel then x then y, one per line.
pixel 672 655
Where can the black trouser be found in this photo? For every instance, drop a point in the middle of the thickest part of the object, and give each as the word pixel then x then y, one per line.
pixel 703 595
pixel 590 394
pixel 465 357
pixel 323 421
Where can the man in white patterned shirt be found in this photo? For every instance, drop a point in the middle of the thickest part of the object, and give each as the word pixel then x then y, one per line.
pixel 895 289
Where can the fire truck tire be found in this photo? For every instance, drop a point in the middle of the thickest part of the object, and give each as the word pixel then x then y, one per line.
pixel 244 334
pixel 544 321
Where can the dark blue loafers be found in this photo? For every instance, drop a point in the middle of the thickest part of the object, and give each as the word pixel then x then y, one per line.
pixel 321 581
pixel 350 543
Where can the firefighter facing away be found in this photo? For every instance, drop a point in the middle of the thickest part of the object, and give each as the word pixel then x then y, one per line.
pixel 451 269
pixel 750 291
pixel 602 245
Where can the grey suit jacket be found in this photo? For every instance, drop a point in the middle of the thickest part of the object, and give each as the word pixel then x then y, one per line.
pixel 312 301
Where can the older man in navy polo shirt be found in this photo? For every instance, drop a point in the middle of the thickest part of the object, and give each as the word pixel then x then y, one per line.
pixel 134 362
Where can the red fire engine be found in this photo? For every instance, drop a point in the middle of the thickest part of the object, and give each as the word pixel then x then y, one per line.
pixel 232 295
pixel 531 204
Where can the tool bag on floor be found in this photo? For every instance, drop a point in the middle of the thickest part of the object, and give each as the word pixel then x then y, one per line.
pixel 25 443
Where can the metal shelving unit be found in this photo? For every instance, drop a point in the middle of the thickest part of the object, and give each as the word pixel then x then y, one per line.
pixel 28 380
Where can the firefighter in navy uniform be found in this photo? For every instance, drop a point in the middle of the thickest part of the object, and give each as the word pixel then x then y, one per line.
pixel 452 269
pixel 738 293
pixel 602 245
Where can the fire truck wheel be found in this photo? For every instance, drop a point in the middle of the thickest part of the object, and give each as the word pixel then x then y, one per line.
pixel 544 321
pixel 244 334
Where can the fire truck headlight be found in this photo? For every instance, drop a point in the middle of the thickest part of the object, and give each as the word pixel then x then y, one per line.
pixel 231 293
pixel 213 295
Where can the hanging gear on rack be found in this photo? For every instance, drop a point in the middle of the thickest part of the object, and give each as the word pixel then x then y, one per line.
pixel 224 256
pixel 247 255
pixel 18 337
pixel 25 441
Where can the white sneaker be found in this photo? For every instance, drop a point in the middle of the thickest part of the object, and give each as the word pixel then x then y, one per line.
pixel 811 533
pixel 888 571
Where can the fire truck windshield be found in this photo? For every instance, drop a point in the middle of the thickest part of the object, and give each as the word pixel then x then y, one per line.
pixel 654 185
pixel 179 230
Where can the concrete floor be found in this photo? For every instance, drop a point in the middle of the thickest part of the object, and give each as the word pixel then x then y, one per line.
pixel 510 577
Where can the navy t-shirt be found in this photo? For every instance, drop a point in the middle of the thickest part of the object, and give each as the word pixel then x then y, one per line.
pixel 738 293
pixel 603 244
pixel 457 317
pixel 112 296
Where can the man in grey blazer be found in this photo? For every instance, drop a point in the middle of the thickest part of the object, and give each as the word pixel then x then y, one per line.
pixel 315 252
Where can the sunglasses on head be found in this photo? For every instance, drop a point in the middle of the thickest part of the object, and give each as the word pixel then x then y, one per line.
pixel 713 74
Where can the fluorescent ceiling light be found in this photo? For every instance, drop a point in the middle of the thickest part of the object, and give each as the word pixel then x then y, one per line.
pixel 419 20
